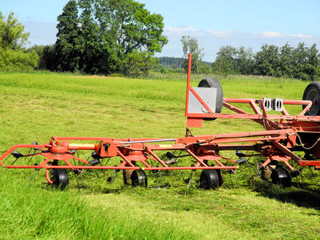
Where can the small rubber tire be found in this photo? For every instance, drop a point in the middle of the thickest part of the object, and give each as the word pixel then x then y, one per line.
pixel 209 179
pixel 139 178
pixel 214 83
pixel 60 178
pixel 281 176
pixel 312 92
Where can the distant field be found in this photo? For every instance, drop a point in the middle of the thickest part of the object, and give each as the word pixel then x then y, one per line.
pixel 36 106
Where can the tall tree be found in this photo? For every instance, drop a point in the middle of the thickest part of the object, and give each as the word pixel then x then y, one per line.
pixel 226 60
pixel 131 25
pixel 314 63
pixel 12 33
pixel 300 57
pixel 112 29
pixel 92 53
pixel 267 61
pixel 286 62
pixel 191 45
pixel 245 62
pixel 306 61
pixel 69 42
pixel 128 27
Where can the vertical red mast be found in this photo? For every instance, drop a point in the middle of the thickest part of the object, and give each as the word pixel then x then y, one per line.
pixel 188 83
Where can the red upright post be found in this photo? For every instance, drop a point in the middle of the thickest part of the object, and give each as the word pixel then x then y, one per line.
pixel 188 83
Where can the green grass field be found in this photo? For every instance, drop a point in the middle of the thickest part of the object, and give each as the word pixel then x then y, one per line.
pixel 37 106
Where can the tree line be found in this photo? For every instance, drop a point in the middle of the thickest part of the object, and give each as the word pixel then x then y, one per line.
pixel 94 37
pixel 301 62
pixel 121 36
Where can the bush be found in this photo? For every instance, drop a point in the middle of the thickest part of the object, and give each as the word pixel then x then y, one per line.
pixel 138 63
pixel 17 60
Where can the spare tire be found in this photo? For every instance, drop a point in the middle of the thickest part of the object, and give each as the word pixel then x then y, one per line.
pixel 312 93
pixel 214 83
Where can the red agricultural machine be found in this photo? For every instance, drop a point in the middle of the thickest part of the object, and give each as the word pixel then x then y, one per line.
pixel 285 139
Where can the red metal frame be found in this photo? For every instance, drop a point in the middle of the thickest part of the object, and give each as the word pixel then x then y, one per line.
pixel 281 130
pixel 277 142
pixel 129 150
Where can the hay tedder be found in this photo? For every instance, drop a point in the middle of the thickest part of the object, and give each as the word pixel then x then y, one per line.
pixel 286 139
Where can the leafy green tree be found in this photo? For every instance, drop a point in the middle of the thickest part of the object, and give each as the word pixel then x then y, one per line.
pixel 244 61
pixel 286 62
pixel 17 60
pixel 314 63
pixel 131 25
pixel 106 31
pixel 39 50
pixel 205 68
pixel 92 54
pixel 311 63
pixel 138 63
pixel 12 33
pixel 301 62
pixel 305 61
pixel 2 28
pixel 48 58
pixel 191 45
pixel 267 61
pixel 13 56
pixel 225 62
pixel 69 42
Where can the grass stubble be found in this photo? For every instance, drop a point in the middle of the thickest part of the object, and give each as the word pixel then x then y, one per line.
pixel 38 106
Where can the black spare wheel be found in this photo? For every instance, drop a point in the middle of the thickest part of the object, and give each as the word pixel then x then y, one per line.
pixel 213 83
pixel 312 93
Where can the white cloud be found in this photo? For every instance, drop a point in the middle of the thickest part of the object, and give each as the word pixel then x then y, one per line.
pixel 227 34
pixel 180 31
pixel 220 34
pixel 268 34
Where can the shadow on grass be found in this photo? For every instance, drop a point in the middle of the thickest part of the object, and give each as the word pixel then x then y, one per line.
pixel 302 197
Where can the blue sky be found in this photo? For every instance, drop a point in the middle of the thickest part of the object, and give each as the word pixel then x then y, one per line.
pixel 215 23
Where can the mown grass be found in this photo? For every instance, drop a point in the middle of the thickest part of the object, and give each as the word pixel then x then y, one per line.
pixel 37 212
pixel 35 107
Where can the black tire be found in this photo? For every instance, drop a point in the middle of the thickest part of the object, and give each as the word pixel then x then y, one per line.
pixel 281 176
pixel 139 178
pixel 214 83
pixel 312 92
pixel 209 179
pixel 60 178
